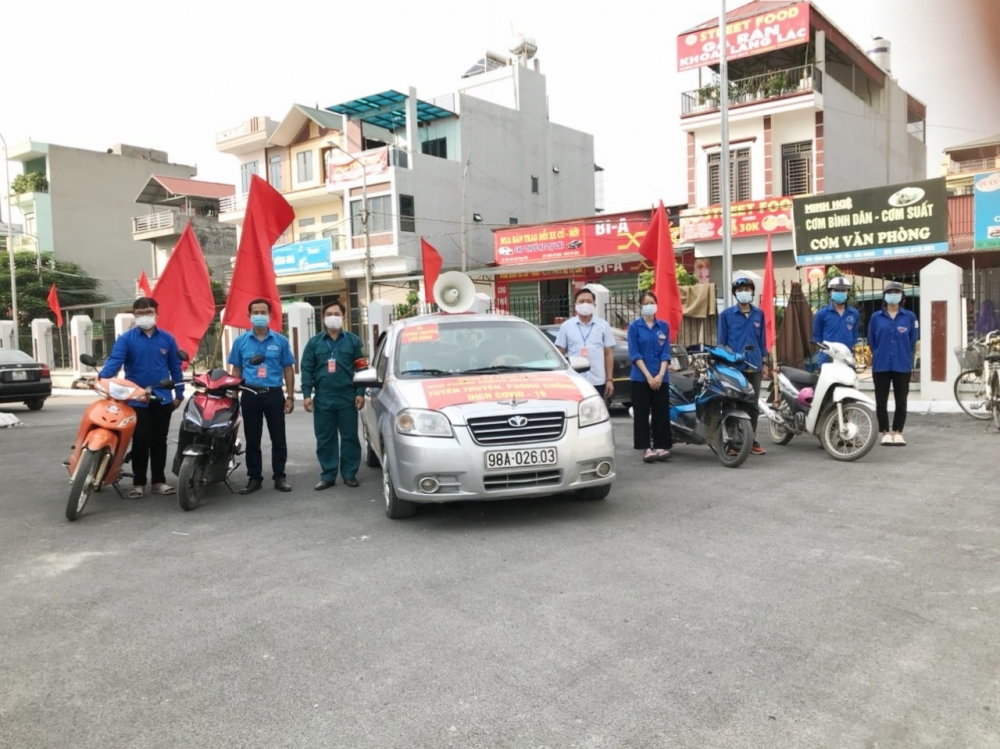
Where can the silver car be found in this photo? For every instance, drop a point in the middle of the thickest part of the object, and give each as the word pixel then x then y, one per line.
pixel 471 406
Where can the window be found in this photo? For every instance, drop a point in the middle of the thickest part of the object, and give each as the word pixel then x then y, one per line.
pixel 534 185
pixel 379 212
pixel 437 147
pixel 274 172
pixel 513 221
pixel 304 166
pixel 247 170
pixel 303 222
pixel 330 218
pixel 407 220
pixel 307 236
pixel 796 168
pixel 739 176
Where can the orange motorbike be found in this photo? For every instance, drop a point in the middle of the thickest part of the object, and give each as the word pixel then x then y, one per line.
pixel 102 442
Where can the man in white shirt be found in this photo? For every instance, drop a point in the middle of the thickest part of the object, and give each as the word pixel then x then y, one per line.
pixel 591 338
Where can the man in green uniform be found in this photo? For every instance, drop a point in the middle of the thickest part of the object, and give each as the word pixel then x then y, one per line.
pixel 329 393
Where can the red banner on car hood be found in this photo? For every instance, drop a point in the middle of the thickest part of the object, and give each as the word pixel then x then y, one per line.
pixel 497 388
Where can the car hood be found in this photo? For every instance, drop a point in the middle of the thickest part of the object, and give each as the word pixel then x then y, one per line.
pixel 462 397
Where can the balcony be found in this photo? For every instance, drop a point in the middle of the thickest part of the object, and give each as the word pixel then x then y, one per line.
pixel 27 201
pixel 250 136
pixel 974 165
pixel 770 86
pixel 157 225
pixel 233 204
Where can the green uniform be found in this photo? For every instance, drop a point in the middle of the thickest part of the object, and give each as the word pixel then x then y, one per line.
pixel 328 378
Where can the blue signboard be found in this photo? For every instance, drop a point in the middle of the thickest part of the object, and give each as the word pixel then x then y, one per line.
pixel 313 256
pixel 987 207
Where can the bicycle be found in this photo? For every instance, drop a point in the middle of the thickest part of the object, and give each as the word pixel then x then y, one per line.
pixel 976 389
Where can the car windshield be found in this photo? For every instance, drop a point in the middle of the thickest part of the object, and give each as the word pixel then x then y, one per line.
pixel 442 349
pixel 12 356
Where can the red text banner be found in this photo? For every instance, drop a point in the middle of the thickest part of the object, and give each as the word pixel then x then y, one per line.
pixel 749 219
pixel 445 392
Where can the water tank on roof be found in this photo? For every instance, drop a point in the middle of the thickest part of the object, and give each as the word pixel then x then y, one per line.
pixel 880 51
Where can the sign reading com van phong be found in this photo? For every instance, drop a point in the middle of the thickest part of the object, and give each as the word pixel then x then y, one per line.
pixel 874 224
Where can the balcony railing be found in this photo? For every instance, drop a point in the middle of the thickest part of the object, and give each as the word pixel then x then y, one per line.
pixel 153 222
pixel 232 203
pixel 974 165
pixel 775 84
pixel 253 125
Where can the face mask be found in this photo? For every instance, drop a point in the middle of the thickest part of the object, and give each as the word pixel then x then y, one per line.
pixel 744 297
pixel 333 322
pixel 648 310
pixel 585 309
pixel 893 298
pixel 838 297
pixel 260 321
pixel 146 322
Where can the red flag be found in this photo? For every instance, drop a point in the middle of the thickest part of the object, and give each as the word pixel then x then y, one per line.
pixel 767 298
pixel 184 293
pixel 144 285
pixel 432 268
pixel 658 248
pixel 54 305
pixel 267 216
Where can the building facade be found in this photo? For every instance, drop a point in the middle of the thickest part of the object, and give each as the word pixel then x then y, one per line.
pixel 963 162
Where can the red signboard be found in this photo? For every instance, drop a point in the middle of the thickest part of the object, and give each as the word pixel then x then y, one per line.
pixel 597 237
pixel 747 37
pixel 493 388
pixel 750 219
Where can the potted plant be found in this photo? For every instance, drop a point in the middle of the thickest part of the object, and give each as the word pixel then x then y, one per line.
pixel 778 85
pixel 30 182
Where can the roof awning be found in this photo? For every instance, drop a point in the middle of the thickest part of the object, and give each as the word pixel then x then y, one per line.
pixel 553 265
pixel 388 110
pixel 296 119
pixel 160 189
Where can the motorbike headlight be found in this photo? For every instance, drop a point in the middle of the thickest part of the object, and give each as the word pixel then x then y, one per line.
pixel 593 410
pixel 420 423
pixel 118 392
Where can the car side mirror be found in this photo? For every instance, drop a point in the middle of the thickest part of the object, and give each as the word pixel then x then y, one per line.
pixel 579 364
pixel 89 360
pixel 183 355
pixel 367 378
pixel 256 360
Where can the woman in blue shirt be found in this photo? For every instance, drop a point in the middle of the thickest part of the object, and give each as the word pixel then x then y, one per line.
pixel 893 333
pixel 649 349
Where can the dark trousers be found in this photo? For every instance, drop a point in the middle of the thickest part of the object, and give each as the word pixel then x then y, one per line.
pixel 258 407
pixel 644 401
pixel 900 384
pixel 754 411
pixel 337 443
pixel 149 442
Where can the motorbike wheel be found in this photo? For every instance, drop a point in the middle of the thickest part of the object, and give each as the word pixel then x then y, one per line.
pixel 779 435
pixel 83 483
pixel 371 457
pixel 740 437
pixel 191 482
pixel 853 449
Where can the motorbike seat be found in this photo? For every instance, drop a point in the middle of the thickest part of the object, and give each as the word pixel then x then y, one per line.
pixel 799 377
pixel 685 385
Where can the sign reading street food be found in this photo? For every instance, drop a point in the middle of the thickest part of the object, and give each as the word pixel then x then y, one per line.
pixel 456 391
pixel 749 219
pixel 881 222
pixel 765 32
pixel 987 208
pixel 420 334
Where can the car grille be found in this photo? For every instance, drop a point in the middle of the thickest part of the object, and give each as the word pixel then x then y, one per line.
pixel 503 481
pixel 497 430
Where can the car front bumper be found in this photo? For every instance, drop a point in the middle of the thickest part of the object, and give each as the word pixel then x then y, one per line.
pixel 458 466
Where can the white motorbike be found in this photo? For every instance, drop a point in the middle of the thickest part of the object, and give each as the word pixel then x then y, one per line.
pixel 828 406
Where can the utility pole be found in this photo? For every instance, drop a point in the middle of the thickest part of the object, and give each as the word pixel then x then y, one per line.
pixel 10 246
pixel 465 180
pixel 724 176
pixel 364 220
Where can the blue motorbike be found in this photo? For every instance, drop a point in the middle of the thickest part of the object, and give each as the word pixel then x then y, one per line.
pixel 712 407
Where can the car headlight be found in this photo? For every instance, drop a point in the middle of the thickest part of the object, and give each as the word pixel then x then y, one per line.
pixel 419 423
pixel 593 410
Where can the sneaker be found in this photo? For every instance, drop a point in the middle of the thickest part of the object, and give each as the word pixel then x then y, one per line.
pixel 887 440
pixel 898 440
pixel 732 452
pixel 649 456
pixel 662 454
pixel 757 449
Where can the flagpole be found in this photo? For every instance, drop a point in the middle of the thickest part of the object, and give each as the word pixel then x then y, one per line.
pixel 724 176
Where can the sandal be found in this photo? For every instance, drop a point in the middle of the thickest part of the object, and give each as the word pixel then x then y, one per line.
pixel 163 489
pixel 649 456
pixel 136 492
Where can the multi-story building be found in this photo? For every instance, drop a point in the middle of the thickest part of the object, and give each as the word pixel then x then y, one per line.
pixel 810 112
pixel 447 169
pixel 12 231
pixel 80 207
pixel 962 163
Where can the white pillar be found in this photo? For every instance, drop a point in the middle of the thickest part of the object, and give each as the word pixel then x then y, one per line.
pixel 940 322
pixel 379 319
pixel 41 341
pixel 124 322
pixel 301 327
pixel 81 341
pixel 481 304
pixel 7 334
pixel 602 298
pixel 229 336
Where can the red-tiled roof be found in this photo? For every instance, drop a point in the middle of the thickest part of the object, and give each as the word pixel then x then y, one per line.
pixel 194 188
pixel 746 11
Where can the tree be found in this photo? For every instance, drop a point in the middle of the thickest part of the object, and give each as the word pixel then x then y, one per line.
pixel 410 306
pixel 72 282
pixel 683 278
pixel 30 182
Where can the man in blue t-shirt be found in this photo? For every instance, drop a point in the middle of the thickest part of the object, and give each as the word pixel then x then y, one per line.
pixel 744 325
pixel 262 398
pixel 838 322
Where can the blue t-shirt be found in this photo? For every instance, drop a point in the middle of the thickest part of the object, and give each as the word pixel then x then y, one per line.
pixel 147 360
pixel 893 341
pixel 738 330
pixel 652 345
pixel 830 325
pixel 277 355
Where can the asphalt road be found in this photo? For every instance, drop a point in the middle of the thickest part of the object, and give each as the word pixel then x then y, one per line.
pixel 794 602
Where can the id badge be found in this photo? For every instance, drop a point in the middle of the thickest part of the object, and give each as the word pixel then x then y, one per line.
pixel 584 352
pixel 262 372
pixel 331 366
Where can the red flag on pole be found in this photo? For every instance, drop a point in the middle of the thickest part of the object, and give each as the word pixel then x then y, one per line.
pixel 54 305
pixel 767 298
pixel 184 293
pixel 658 248
pixel 268 214
pixel 144 285
pixel 432 268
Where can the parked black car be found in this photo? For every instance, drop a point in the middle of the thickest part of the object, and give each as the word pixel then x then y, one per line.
pixel 680 362
pixel 23 380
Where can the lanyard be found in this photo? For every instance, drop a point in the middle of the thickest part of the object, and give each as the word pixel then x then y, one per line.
pixel 334 348
pixel 590 329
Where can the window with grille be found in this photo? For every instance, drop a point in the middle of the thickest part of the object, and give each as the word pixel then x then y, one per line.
pixel 796 168
pixel 739 176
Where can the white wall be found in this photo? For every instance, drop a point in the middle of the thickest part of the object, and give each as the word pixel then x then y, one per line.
pixel 790 127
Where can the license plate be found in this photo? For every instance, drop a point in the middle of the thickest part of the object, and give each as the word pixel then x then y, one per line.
pixel 498 460
pixel 20 374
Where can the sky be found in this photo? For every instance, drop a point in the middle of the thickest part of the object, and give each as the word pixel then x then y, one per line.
pixel 171 76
